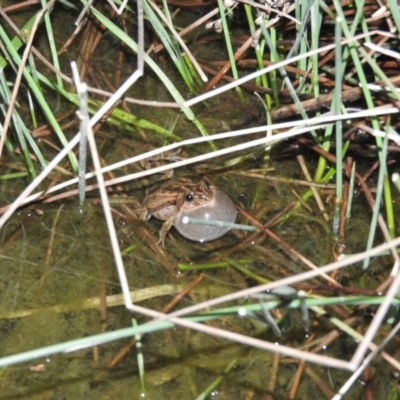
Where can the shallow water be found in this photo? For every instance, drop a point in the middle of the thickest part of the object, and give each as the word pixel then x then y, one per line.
pixel 59 254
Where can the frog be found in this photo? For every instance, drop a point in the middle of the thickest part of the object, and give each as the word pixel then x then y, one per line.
pixel 177 198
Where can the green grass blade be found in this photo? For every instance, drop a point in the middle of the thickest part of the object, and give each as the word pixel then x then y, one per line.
pixel 171 46
pixel 52 43
pixel 156 69
pixel 378 201
pixel 39 96
pixel 395 12
pixel 23 134
pixel 118 114
pixel 228 44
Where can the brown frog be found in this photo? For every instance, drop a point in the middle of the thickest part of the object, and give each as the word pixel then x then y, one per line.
pixel 176 198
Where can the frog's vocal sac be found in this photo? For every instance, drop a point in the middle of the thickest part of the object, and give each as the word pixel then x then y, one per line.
pixel 178 198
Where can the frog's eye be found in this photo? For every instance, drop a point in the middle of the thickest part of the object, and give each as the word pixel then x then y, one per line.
pixel 189 197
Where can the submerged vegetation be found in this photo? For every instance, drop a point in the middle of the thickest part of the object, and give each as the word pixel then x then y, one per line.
pixel 290 108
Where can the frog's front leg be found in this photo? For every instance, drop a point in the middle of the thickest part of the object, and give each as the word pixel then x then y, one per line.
pixel 145 215
pixel 165 229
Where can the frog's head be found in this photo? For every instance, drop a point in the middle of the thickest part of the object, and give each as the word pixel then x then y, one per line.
pixel 198 196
